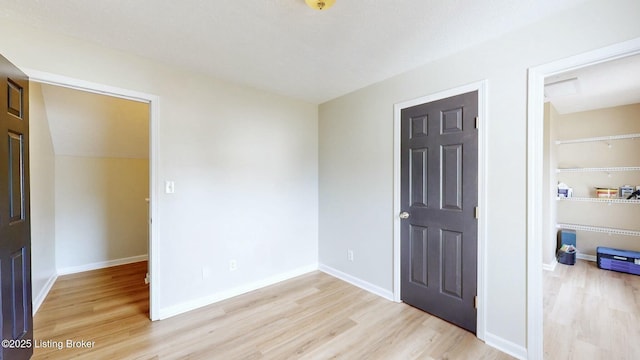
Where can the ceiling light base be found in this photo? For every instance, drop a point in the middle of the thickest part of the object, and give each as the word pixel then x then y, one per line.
pixel 320 4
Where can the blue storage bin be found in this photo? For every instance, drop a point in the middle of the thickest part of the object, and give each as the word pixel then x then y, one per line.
pixel 618 260
pixel 566 237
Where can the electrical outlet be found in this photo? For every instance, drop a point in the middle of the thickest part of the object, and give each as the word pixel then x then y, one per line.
pixel 233 265
pixel 350 255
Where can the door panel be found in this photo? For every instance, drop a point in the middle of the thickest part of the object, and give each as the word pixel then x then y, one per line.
pixel 16 177
pixel 419 177
pixel 15 231
pixel 452 177
pixel 419 126
pixel 451 244
pixel 19 282
pixel 419 260
pixel 439 189
pixel 452 121
pixel 15 98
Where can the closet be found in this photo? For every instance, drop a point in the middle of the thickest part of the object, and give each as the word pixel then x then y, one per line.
pixel 590 149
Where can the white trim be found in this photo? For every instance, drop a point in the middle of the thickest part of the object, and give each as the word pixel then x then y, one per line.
pixel 482 88
pixel 101 265
pixel 154 141
pixel 39 299
pixel 586 257
pixel 82 85
pixel 515 350
pixel 374 289
pixel 397 208
pixel 178 309
pixel 550 267
pixel 534 217
pixel 535 123
pixel 483 166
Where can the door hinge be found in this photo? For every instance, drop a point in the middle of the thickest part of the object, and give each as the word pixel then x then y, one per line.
pixel 477 122
pixel 476 213
pixel 475 301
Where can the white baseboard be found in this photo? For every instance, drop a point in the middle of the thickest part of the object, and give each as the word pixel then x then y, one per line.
pixel 39 299
pixel 550 267
pixel 586 257
pixel 101 265
pixel 223 295
pixel 357 282
pixel 505 346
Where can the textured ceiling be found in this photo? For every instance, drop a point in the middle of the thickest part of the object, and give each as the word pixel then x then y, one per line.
pixel 282 45
pixel 608 84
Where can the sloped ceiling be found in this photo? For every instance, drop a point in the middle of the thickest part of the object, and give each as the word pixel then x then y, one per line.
pixel 283 46
pixel 609 84
pixel 94 125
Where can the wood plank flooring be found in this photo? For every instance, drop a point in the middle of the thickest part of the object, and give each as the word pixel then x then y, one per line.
pixel 314 316
pixel 591 313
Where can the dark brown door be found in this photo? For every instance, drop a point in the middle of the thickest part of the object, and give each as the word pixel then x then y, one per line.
pixel 439 194
pixel 15 232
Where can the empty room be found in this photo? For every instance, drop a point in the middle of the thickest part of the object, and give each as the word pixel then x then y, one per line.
pixel 325 179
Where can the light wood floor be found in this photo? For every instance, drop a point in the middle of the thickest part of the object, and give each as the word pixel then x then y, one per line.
pixel 314 316
pixel 591 313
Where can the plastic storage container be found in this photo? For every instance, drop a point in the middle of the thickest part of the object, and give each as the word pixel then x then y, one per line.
pixel 618 260
pixel 566 253
pixel 567 257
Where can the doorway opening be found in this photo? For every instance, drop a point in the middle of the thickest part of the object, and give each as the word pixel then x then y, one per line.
pixel 151 103
pixel 537 234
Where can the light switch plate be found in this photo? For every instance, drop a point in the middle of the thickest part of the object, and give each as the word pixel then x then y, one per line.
pixel 169 187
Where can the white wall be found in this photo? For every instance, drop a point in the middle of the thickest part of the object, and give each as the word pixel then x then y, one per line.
pixel 42 170
pixel 88 124
pixel 101 212
pixel 244 164
pixel 356 164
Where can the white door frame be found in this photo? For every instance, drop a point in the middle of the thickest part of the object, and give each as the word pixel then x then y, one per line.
pixel 481 87
pixel 154 119
pixel 535 140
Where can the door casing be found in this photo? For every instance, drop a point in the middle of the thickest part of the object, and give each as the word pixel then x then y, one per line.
pixel 154 120
pixel 481 87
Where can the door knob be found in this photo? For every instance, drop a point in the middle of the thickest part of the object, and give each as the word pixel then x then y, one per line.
pixel 404 215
